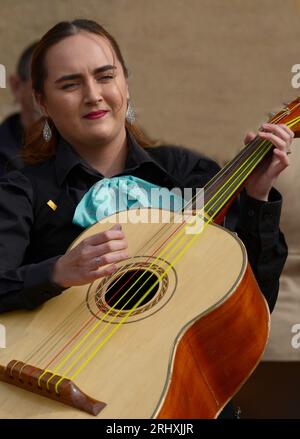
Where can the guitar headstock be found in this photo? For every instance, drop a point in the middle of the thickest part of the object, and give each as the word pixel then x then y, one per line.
pixel 289 115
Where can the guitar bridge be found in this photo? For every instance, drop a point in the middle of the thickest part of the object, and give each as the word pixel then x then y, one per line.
pixel 58 388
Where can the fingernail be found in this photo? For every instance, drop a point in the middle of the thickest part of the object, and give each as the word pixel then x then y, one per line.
pixel 117 227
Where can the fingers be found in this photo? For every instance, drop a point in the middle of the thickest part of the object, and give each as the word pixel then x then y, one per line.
pixel 93 258
pixel 275 140
pixel 280 135
pixel 104 248
pixel 87 252
pixel 282 161
pixel 108 258
pixel 287 129
pixel 115 232
pixel 108 270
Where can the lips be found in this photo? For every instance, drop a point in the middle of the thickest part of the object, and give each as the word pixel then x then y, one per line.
pixel 96 114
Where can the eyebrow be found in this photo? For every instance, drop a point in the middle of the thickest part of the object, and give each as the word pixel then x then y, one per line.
pixel 79 75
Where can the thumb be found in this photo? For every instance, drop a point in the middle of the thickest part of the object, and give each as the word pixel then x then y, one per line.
pixel 117 227
pixel 249 137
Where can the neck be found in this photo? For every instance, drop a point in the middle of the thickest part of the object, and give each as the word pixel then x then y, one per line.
pixel 109 158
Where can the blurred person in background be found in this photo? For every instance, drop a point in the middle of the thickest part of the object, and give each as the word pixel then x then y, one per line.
pixel 12 128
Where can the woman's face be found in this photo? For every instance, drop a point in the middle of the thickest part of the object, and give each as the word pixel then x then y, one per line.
pixel 85 91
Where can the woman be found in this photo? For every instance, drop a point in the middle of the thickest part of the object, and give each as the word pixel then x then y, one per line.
pixel 80 83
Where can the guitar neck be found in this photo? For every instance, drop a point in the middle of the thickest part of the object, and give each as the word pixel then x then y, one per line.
pixel 224 187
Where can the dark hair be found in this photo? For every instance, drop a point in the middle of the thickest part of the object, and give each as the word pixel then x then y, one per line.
pixel 36 148
pixel 23 65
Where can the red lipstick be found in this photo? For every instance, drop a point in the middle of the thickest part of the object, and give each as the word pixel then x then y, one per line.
pixel 96 114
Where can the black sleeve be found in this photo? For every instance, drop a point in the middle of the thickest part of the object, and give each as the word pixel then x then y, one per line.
pixel 22 285
pixel 2 164
pixel 257 224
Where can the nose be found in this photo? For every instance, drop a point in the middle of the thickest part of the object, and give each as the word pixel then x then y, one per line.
pixel 92 92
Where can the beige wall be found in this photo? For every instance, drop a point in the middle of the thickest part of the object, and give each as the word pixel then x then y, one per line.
pixel 202 71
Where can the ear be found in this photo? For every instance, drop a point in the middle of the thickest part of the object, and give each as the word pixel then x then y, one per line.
pixel 40 103
pixel 15 86
pixel 127 87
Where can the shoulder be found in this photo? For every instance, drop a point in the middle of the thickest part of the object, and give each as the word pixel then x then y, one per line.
pixel 38 171
pixel 27 178
pixel 177 154
pixel 4 125
pixel 184 162
pixel 10 124
pixel 10 143
pixel 7 140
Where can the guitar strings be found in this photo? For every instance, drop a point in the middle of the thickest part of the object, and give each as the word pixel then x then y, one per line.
pixel 218 177
pixel 151 288
pixel 132 309
pixel 265 151
pixel 66 323
pixel 226 170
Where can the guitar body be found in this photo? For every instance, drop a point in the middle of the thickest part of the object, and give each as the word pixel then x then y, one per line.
pixel 182 354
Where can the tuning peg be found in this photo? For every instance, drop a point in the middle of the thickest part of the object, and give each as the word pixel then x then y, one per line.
pixel 286 107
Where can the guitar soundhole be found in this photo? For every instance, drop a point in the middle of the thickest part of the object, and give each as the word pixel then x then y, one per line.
pixel 120 298
pixel 129 288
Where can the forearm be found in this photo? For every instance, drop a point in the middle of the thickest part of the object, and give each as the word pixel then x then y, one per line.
pixel 28 286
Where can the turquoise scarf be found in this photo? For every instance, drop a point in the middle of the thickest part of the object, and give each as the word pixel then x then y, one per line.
pixel 111 195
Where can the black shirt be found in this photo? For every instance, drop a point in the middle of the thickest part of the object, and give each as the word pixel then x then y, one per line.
pixel 11 137
pixel 33 236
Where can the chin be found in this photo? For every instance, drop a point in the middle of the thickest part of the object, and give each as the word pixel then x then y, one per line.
pixel 99 137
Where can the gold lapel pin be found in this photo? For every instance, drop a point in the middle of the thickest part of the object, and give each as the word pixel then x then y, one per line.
pixel 52 205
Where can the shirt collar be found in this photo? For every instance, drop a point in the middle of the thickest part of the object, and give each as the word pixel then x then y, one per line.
pixel 67 158
pixel 136 154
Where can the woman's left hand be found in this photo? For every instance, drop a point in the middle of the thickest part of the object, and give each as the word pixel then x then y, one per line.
pixel 264 177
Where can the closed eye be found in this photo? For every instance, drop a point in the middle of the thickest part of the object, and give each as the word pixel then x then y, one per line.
pixel 70 85
pixel 105 77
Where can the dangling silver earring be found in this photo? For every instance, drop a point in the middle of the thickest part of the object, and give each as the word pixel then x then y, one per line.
pixel 130 114
pixel 47 133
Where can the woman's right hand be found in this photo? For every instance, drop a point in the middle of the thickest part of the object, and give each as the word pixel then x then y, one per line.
pixel 93 258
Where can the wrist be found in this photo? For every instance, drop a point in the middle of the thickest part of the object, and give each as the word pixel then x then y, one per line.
pixel 56 276
pixel 260 196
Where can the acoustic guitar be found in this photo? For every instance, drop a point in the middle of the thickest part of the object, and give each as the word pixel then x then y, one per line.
pixel 173 333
